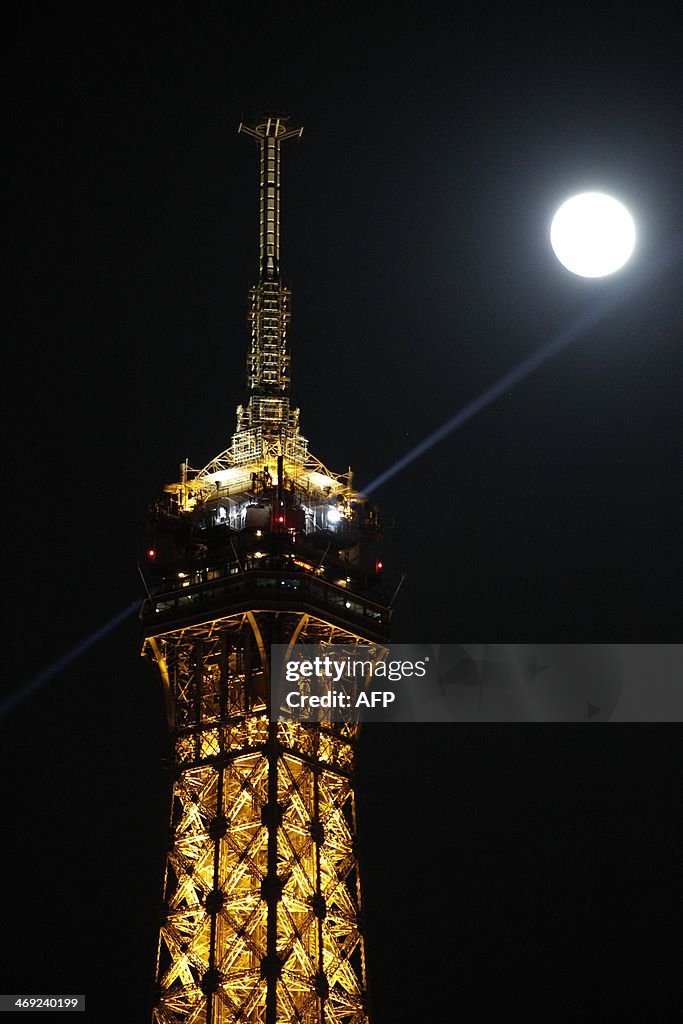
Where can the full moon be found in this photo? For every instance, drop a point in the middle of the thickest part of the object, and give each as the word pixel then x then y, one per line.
pixel 592 234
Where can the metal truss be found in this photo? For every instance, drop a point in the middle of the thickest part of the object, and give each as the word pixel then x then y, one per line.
pixel 269 450
pixel 262 904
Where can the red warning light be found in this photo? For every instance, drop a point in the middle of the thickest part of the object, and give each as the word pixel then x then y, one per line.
pixel 379 566
pixel 151 553
pixel 280 519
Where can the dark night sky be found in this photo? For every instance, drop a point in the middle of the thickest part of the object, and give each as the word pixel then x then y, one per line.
pixel 415 239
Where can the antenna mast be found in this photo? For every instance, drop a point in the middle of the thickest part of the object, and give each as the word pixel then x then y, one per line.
pixel 269 132
pixel 267 419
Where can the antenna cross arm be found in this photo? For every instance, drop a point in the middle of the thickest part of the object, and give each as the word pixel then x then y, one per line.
pixel 273 127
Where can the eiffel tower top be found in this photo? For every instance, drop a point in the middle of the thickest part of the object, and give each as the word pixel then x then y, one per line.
pixel 267 434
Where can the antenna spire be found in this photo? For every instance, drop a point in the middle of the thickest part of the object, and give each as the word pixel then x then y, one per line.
pixel 269 131
pixel 267 422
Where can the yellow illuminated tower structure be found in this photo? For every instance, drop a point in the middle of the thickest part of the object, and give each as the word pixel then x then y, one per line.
pixel 262 914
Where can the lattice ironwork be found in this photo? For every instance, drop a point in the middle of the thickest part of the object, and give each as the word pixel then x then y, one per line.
pixel 262 913
pixel 262 901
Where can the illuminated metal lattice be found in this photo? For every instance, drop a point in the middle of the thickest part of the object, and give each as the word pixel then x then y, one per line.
pixel 262 918
pixel 262 900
